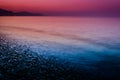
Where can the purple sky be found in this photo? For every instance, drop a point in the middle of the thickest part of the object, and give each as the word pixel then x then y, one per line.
pixel 64 7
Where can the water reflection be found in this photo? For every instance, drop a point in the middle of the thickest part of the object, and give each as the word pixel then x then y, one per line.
pixel 79 46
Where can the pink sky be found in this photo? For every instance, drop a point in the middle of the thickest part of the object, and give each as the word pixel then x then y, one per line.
pixel 51 6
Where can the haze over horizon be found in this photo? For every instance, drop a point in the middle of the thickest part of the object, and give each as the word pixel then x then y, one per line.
pixel 63 7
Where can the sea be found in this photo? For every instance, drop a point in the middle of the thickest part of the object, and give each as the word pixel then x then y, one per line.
pixel 84 48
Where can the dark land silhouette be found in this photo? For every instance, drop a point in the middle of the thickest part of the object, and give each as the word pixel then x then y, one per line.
pixel 4 12
pixel 109 13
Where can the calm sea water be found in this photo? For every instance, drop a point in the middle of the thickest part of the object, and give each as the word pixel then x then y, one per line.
pixel 90 43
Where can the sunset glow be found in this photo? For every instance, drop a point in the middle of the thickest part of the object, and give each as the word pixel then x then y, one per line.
pixel 59 39
pixel 61 6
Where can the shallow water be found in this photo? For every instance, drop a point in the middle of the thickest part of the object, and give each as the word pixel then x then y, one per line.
pixel 90 43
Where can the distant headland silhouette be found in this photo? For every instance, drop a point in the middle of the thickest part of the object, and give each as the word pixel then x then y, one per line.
pixel 107 13
pixel 4 12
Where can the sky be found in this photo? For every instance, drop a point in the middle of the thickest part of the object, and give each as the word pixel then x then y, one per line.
pixel 62 7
